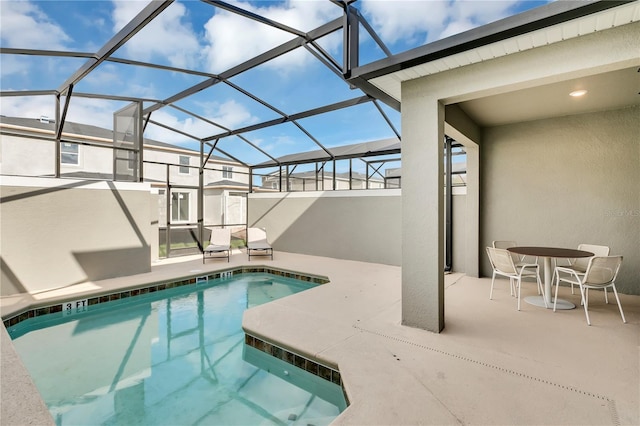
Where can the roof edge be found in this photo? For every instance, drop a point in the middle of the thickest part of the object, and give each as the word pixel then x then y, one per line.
pixel 541 17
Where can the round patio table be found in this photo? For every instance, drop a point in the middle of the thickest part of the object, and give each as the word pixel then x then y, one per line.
pixel 546 253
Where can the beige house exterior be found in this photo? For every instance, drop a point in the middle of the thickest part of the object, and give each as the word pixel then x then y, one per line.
pixel 543 168
pixel 307 181
pixel 24 151
pixel 540 169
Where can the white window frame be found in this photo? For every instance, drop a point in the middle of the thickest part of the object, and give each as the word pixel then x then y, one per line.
pixel 180 196
pixel 132 159
pixel 183 169
pixel 67 154
pixel 227 172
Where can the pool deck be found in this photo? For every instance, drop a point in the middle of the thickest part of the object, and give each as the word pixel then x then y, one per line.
pixel 490 365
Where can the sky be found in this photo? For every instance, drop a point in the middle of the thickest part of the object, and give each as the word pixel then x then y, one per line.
pixel 196 35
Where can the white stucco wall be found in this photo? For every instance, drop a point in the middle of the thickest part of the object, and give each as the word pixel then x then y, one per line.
pixel 460 251
pixel 29 159
pixel 60 232
pixel 353 225
pixel 423 130
pixel 565 181
pixel 29 156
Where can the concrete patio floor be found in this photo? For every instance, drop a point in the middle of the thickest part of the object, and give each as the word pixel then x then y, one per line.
pixel 490 365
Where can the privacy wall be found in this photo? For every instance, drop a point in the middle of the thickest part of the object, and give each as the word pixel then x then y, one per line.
pixel 565 181
pixel 353 225
pixel 56 233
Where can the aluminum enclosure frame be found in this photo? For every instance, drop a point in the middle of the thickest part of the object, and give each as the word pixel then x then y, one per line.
pixel 64 94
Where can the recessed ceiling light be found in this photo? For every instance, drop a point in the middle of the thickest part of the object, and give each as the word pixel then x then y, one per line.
pixel 578 93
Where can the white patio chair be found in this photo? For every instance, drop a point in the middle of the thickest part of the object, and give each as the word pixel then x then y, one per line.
pixel 503 264
pixel 499 244
pixel 601 273
pixel 579 266
pixel 493 268
pixel 220 242
pixel 257 242
pixel 518 259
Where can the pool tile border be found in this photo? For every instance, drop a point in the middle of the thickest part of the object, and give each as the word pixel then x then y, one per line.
pixel 324 372
pixel 145 289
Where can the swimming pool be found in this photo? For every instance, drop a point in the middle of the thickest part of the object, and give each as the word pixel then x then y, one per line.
pixel 173 357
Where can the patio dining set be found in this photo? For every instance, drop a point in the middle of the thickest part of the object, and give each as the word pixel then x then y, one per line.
pixel 587 267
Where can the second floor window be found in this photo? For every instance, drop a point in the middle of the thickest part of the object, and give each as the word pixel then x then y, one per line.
pixel 132 160
pixel 69 153
pixel 179 207
pixel 227 172
pixel 184 165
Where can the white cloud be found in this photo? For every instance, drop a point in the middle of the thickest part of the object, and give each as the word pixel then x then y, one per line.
pixel 453 28
pixel 466 14
pixel 482 12
pixel 163 135
pixel 234 39
pixel 408 20
pixel 168 36
pixel 24 25
pixel 275 145
pixel 13 65
pixel 97 112
pixel 81 110
pixel 425 21
pixel 28 106
pixel 110 76
pixel 229 114
pixel 104 76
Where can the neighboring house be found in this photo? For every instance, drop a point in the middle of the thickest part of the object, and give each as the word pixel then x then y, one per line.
pixel 393 177
pixel 378 156
pixel 27 149
pixel 306 181
pixel 374 154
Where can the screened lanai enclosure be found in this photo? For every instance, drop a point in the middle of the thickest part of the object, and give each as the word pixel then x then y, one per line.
pixel 205 129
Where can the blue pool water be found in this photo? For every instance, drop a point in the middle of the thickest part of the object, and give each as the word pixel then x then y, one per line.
pixel 173 357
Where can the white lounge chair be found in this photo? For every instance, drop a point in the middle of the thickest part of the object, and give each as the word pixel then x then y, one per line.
pixel 220 242
pixel 257 242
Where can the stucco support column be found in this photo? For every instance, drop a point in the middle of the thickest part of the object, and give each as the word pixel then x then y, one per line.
pixel 472 217
pixel 461 128
pixel 422 210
